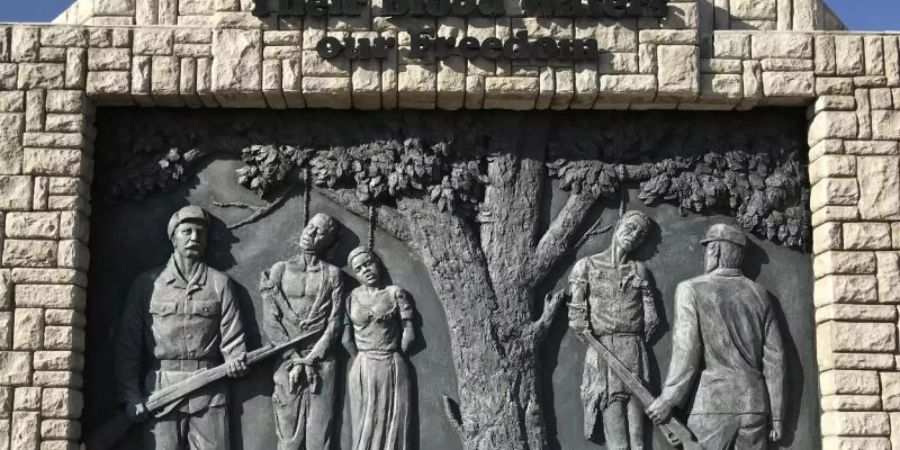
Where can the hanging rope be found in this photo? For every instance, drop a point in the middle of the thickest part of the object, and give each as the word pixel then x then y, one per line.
pixel 306 195
pixel 623 191
pixel 373 218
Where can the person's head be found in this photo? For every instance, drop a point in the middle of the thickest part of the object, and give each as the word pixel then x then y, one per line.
pixel 724 247
pixel 188 231
pixel 318 233
pixel 366 265
pixel 631 230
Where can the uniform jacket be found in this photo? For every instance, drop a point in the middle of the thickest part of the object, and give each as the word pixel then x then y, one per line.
pixel 169 318
pixel 726 332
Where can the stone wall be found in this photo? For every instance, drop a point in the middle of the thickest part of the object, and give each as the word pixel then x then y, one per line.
pixel 51 78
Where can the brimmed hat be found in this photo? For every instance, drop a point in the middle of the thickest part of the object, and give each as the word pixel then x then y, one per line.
pixel 723 232
pixel 188 213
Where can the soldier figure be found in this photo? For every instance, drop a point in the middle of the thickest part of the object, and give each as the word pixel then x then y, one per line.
pixel 725 331
pixel 180 318
pixel 304 293
pixel 613 299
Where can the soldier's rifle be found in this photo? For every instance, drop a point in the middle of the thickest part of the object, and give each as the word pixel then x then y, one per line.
pixel 675 432
pixel 165 400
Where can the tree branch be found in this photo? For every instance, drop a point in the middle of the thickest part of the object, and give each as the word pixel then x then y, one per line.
pixel 258 211
pixel 551 307
pixel 560 235
pixel 388 218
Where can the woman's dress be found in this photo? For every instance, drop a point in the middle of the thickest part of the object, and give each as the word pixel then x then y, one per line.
pixel 379 377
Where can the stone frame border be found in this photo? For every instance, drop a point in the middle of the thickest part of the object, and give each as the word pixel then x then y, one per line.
pixel 53 77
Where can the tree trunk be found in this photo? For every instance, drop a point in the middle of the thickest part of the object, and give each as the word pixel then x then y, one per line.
pixel 494 345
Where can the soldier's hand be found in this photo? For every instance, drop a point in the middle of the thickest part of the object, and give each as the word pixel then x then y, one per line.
pixel 135 411
pixel 237 367
pixel 660 411
pixel 777 431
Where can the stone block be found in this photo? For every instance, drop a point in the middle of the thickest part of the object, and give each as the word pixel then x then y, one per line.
pixel 15 192
pixel 58 379
pixel 50 296
pixel 32 225
pixel 41 76
pixel 850 382
pixel 15 368
pixel 11 129
pixel 845 289
pixel 237 65
pixel 6 330
pixel 851 403
pixel 327 92
pixel 844 263
pixel 60 429
pixel 65 123
pixel 888 269
pixel 58 360
pixel 52 161
pixel 64 317
pixel 847 423
pixel 27 399
pixel 730 45
pixel 782 45
pixel 511 92
pixel 29 253
pixel 73 254
pixel 669 37
pixel 63 338
pixel 835 192
pixel 853 313
pixel 833 124
pixel 721 86
pixel 679 70
pixel 109 59
pixel 108 83
pixel 61 403
pixel 825 55
pixel 832 166
pixel 827 236
pixel 856 361
pixel 867 236
pixel 754 9
pixel 76 68
pixel 879 186
pixel 849 55
pixel 873 47
pixel 165 78
pixel 66 36
pixel 856 337
pixel 25 434
pixel 886 124
pixel 789 84
pixel 9 74
pixel 872 147
pixel 26 44
pixel 28 329
pixel 153 41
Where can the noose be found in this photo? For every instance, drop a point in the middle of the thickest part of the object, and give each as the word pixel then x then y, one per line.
pixel 306 197
pixel 373 219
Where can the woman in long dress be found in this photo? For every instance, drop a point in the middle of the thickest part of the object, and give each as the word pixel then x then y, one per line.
pixel 382 332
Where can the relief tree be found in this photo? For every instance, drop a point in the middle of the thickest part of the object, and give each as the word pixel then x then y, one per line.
pixel 469 198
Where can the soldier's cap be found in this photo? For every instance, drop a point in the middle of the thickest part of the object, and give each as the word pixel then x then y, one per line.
pixel 188 213
pixel 724 232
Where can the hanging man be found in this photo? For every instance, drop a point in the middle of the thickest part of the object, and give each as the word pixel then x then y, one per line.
pixel 181 318
pixel 304 294
pixel 726 333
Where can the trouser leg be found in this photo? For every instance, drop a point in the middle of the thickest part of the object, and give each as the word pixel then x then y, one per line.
pixel 321 409
pixel 290 418
pixel 752 434
pixel 166 433
pixel 635 424
pixel 715 431
pixel 208 429
pixel 615 426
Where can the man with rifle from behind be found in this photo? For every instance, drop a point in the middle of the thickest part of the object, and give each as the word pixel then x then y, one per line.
pixel 180 319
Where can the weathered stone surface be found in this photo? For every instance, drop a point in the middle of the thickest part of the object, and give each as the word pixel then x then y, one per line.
pixel 825 55
pixel 834 191
pixel 872 147
pixel 41 76
pixel 25 44
pixel 856 361
pixel 846 423
pixel 855 443
pixel 27 399
pixel 850 56
pixel 63 338
pixel 322 92
pixel 15 192
pixel 112 83
pixel 721 86
pixel 32 225
pixel 11 129
pixel 788 84
pixel 827 236
pixel 731 46
pixel 867 236
pixel 31 253
pixel 58 360
pixel 754 9
pixel 60 429
pixel 832 166
pixel 679 70
pixel 153 41
pixel 109 59
pixel 844 263
pixel 846 289
pixel 28 329
pixel 856 337
pixel 879 187
pixel 781 45
pixel 888 277
pixel 850 382
pixel 851 403
pixel 857 313
pixel 886 124
pixel 238 62
pixel 25 430
pixel 15 368
pixel 50 296
pixel 51 161
pixel 890 391
pixel 6 331
pixel 833 124
pixel 65 403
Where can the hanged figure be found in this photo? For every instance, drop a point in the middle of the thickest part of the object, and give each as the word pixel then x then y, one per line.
pixel 612 298
pixel 381 319
pixel 304 294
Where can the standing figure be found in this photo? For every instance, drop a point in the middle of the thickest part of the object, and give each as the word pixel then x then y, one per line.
pixel 302 294
pixel 382 332
pixel 612 298
pixel 180 318
pixel 725 332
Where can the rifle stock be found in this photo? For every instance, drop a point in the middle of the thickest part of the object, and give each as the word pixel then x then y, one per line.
pixel 164 400
pixel 674 430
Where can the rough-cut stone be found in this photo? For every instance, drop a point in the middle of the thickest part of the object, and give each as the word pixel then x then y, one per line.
pixel 890 391
pixel 28 329
pixel 853 313
pixel 11 129
pixel 872 147
pixel 867 236
pixel 25 44
pixel 32 225
pixel 50 296
pixel 850 57
pixel 827 236
pixel 63 338
pixel 845 289
pixel 25 430
pixel 782 45
pixel 15 368
pixel 888 266
pixel 886 124
pixel 788 84
pixel 109 59
pixel 879 187
pixel 855 443
pixel 112 83
pixel 58 360
pixel 851 403
pixel 27 399
pixel 41 76
pixel 31 253
pixel 832 166
pixel 846 423
pixel 6 331
pixel 731 46
pixel 844 263
pixel 64 403
pixel 833 124
pixel 825 55
pixel 856 337
pixel 835 192
pixel 51 161
pixel 153 41
pixel 850 382
pixel 679 70
pixel 754 9
pixel 860 361
pixel 237 66
pixel 60 429
pixel 15 192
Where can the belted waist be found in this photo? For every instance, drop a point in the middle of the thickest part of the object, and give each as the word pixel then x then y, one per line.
pixel 185 365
